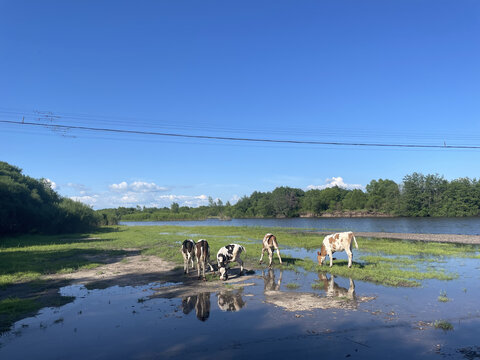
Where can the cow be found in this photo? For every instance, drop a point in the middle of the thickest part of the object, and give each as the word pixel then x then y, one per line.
pixel 337 242
pixel 270 244
pixel 226 255
pixel 188 253
pixel 202 253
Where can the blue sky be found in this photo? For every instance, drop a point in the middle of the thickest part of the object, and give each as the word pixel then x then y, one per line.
pixel 394 72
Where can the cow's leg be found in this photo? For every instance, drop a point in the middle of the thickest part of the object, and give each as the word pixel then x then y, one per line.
pixel 270 256
pixel 239 261
pixel 185 263
pixel 208 262
pixel 192 261
pixel 198 267
pixel 350 256
pixel 278 254
pixel 330 254
pixel 261 257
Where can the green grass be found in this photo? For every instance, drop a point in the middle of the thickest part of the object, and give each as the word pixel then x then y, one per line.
pixel 443 297
pixel 12 309
pixel 26 259
pixel 389 262
pixel 292 286
pixel 443 324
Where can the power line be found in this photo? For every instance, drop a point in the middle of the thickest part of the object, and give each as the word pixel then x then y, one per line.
pixel 346 134
pixel 239 139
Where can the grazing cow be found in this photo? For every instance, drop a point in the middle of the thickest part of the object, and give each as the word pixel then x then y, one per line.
pixel 202 252
pixel 188 253
pixel 270 244
pixel 228 254
pixel 337 242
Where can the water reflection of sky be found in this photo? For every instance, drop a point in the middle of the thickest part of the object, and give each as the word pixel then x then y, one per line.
pixel 133 322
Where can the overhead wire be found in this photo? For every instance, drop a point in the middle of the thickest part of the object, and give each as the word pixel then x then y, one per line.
pixel 58 127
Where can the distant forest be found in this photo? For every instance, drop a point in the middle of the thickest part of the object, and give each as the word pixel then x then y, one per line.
pixel 417 196
pixel 29 205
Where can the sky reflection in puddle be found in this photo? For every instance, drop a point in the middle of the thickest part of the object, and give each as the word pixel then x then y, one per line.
pixel 147 322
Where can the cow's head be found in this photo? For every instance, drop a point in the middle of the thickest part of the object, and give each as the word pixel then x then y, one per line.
pixel 321 255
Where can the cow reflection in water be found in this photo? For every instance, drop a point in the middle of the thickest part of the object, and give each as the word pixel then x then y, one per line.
pixel 230 300
pixel 200 302
pixel 333 290
pixel 269 283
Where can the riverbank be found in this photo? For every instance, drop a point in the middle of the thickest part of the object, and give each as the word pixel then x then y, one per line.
pixel 444 238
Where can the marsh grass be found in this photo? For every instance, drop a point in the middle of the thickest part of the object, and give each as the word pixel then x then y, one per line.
pixel 443 296
pixel 443 325
pixel 26 259
pixel 12 308
pixel 292 286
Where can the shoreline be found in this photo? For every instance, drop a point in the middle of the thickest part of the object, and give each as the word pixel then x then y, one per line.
pixel 445 238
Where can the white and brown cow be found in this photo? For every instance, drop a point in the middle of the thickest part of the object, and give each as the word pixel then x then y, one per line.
pixel 188 253
pixel 337 242
pixel 226 255
pixel 202 252
pixel 270 244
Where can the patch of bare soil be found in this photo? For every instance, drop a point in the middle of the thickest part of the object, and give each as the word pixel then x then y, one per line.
pixel 296 301
pixel 131 270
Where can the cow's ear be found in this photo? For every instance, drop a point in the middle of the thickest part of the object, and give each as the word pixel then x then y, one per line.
pixel 318 252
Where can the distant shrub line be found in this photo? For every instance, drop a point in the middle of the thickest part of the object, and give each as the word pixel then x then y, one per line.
pixel 28 205
pixel 417 196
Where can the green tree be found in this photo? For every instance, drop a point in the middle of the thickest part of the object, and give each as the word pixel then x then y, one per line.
pixel 383 196
pixel 355 200
pixel 286 201
pixel 175 208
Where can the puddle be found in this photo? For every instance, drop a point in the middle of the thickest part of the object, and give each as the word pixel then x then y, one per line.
pixel 273 313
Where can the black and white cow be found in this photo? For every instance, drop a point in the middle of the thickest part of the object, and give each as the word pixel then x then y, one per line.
pixel 188 253
pixel 228 254
pixel 202 252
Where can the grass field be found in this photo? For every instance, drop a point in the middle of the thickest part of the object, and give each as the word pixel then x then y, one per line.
pixel 25 260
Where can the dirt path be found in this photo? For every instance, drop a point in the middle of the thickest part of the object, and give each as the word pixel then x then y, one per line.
pixel 450 238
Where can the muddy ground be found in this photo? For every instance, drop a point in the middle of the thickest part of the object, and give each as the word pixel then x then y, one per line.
pixel 143 307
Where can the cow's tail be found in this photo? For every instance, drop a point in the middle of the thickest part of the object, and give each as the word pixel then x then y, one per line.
pixel 243 249
pixel 355 240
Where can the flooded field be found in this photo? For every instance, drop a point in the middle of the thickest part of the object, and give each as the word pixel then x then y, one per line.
pixel 267 313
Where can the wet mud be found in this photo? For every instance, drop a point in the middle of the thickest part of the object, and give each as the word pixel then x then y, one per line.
pixel 266 313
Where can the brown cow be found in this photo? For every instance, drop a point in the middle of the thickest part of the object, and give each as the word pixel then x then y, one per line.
pixel 202 252
pixel 270 244
pixel 337 242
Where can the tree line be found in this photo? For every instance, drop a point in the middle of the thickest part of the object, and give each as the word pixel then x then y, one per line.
pixel 417 196
pixel 28 205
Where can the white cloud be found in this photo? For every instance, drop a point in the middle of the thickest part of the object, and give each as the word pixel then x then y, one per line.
pixel 137 187
pixel 234 199
pixel 50 183
pixel 119 187
pixel 88 200
pixel 335 181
